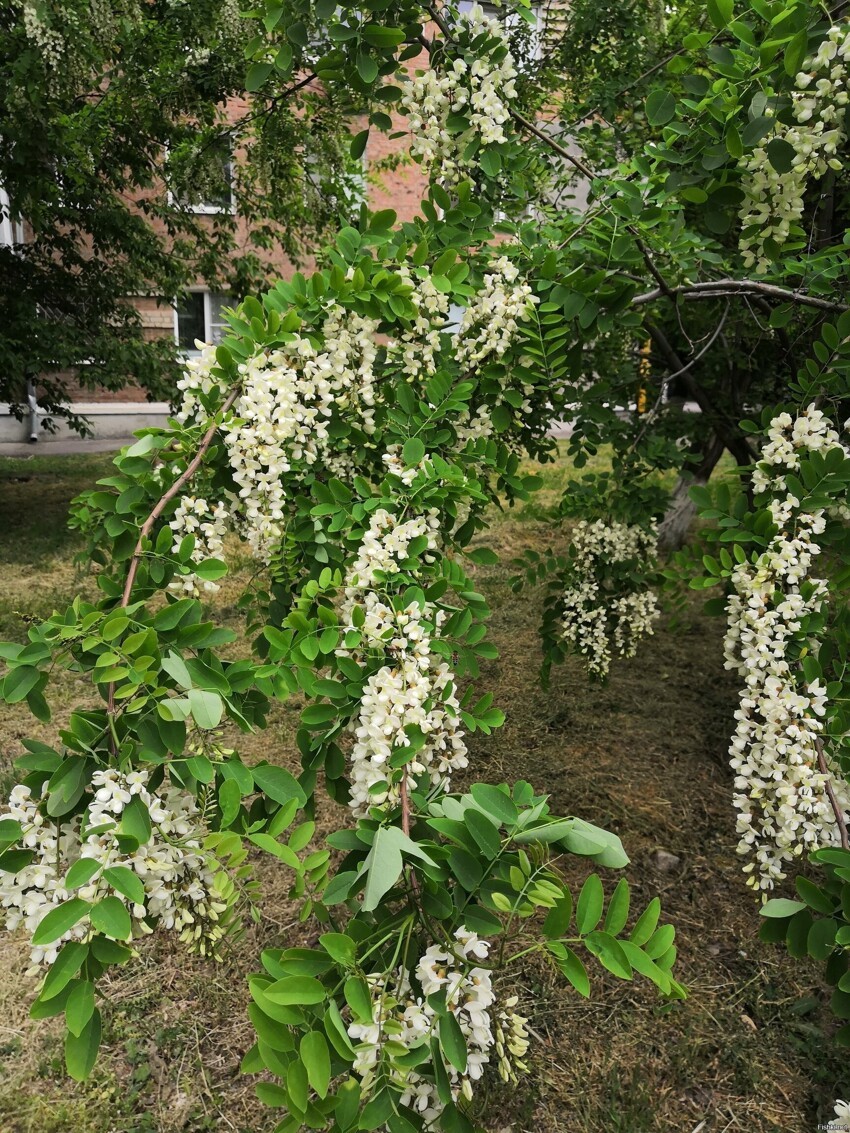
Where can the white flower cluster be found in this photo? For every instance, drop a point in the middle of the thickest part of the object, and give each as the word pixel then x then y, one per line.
pixel 598 620
pixel 282 414
pixel 774 201
pixel 401 1016
pixel 395 465
pixel 788 437
pixel 487 330
pixel 489 323
pixel 385 546
pixel 415 687
pixel 179 883
pixel 842 1109
pixel 208 523
pixel 47 40
pixel 419 346
pixel 480 90
pixel 395 698
pixel 781 795
pixel 196 381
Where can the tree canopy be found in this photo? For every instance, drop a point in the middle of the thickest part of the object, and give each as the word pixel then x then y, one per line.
pixel 115 127
pixel 352 430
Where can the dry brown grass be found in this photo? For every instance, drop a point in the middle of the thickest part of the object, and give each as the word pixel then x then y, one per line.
pixel 749 1050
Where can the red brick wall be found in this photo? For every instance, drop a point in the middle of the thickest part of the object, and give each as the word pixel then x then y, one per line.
pixel 401 189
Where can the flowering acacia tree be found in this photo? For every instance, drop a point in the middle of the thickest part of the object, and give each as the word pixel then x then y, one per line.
pixel 787 638
pixel 351 430
pixel 357 473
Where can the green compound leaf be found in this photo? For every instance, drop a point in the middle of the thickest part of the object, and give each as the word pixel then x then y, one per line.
pixel 452 1042
pixel 59 920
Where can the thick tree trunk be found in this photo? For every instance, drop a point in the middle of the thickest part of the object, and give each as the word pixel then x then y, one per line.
pixel 676 523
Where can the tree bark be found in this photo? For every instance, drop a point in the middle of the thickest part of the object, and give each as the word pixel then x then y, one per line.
pixel 681 510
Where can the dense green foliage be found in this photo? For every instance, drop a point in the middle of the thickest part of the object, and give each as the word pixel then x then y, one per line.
pixel 352 430
pixel 115 127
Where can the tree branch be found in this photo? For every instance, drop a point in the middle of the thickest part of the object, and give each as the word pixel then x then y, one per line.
pixel 145 530
pixel 183 479
pixel 723 287
pixel 830 791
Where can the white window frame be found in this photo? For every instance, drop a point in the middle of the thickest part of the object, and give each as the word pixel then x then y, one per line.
pixel 11 230
pixel 208 323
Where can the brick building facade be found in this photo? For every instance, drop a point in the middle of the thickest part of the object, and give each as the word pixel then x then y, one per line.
pixel 198 314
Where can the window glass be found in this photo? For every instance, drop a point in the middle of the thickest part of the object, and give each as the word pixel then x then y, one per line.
pixel 217 327
pixel 191 322
pixel 223 200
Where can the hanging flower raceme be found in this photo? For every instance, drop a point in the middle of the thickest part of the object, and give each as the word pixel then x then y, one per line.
pixel 168 881
pixel 418 347
pixel 208 524
pixel 774 200
pixel 486 332
pixel 415 688
pixel 603 611
pixel 488 325
pixel 401 1014
pixel 461 104
pixel 279 422
pixel 780 788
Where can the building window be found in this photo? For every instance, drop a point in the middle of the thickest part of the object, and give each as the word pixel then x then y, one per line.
pixel 221 201
pixel 342 192
pixel 216 170
pixel 198 317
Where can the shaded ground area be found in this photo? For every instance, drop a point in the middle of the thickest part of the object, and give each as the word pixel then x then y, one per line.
pixel 645 755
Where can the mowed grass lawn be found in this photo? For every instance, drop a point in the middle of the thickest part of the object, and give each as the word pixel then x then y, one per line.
pixel 645 755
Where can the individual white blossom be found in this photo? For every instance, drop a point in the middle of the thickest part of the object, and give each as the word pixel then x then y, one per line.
pixel 780 792
pixel 481 90
pixel 597 621
pixel 401 1015
pixel 174 869
pixel 774 201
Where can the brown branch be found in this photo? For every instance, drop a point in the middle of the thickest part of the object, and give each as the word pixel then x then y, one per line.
pixel 724 287
pixel 190 470
pixel 405 804
pixel 663 286
pixel 830 791
pixel 145 530
pixel 530 128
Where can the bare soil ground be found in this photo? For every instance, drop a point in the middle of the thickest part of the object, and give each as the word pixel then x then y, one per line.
pixel 645 755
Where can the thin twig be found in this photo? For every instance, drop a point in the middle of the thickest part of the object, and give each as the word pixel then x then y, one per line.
pixel 190 470
pixel 665 385
pixel 405 804
pixel 723 287
pixel 840 821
